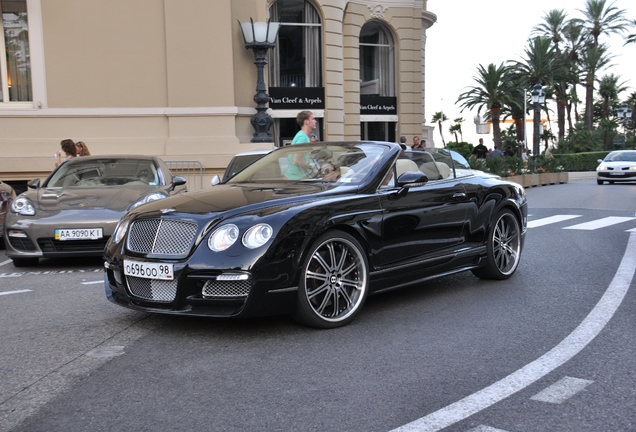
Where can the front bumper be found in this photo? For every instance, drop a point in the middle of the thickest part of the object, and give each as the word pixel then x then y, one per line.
pixel 36 238
pixel 194 292
pixel 616 175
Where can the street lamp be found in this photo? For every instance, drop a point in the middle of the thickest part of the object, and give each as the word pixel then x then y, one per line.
pixel 259 37
pixel 624 112
pixel 538 98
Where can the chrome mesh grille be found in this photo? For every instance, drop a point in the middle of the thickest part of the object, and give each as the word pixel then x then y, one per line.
pixel 152 289
pixel 161 236
pixel 217 288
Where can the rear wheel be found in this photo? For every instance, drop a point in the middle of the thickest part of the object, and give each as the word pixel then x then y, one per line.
pixel 504 248
pixel 334 281
pixel 24 262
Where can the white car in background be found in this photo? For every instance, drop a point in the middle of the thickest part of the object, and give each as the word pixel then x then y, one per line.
pixel 618 166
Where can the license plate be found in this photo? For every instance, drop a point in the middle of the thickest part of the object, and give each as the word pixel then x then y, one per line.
pixel 148 270
pixel 618 173
pixel 79 234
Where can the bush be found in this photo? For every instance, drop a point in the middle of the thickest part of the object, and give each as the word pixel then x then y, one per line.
pixel 463 148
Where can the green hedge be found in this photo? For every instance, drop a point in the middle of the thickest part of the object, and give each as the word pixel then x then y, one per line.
pixel 586 161
pixel 580 161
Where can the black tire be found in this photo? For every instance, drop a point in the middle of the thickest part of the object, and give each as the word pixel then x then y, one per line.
pixel 334 281
pixel 25 262
pixel 599 182
pixel 504 248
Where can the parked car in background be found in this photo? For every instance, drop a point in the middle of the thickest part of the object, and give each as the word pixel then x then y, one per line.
pixel 75 210
pixel 238 163
pixel 618 166
pixel 311 230
pixel 7 195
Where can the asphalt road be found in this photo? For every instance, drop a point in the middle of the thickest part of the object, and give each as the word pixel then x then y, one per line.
pixel 553 348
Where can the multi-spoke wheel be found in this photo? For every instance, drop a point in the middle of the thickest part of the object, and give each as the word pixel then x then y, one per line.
pixel 334 281
pixel 504 248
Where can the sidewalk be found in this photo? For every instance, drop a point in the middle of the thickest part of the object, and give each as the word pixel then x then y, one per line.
pixel 581 175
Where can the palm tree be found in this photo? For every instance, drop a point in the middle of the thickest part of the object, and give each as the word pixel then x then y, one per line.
pixel 574 41
pixel 601 19
pixel 490 94
pixel 631 38
pixel 592 59
pixel 554 27
pixel 538 66
pixel 439 117
pixel 457 128
pixel 609 88
pixel 515 108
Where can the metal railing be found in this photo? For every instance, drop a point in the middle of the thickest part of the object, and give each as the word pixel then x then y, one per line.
pixel 190 169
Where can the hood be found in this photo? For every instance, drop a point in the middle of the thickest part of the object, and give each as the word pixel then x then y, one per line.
pixel 247 197
pixel 117 199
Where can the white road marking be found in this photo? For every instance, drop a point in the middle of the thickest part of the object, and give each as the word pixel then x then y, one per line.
pixel 5 262
pixel 92 282
pixel 561 390
pixel 589 328
pixel 107 351
pixel 550 220
pixel 484 428
pixel 49 272
pixel 14 292
pixel 600 223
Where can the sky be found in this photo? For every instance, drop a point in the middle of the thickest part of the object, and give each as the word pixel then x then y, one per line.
pixel 469 33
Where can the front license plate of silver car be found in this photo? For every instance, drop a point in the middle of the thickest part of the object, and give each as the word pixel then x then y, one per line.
pixel 148 270
pixel 79 234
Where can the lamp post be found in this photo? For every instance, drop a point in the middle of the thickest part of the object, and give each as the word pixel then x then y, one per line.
pixel 538 97
pixel 624 112
pixel 259 37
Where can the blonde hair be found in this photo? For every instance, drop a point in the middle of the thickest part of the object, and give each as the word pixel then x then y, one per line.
pixel 83 149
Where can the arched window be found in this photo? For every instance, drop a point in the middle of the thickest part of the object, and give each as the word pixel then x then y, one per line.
pixel 296 59
pixel 377 67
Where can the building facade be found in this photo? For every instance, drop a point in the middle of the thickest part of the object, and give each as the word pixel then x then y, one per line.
pixel 173 77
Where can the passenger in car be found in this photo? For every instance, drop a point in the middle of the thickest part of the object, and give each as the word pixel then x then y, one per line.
pixel 330 171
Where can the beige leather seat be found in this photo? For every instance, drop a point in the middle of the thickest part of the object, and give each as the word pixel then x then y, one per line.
pixel 431 171
pixel 443 169
pixel 404 165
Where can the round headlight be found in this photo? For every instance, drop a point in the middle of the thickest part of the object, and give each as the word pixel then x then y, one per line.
pixel 223 237
pixel 23 206
pixel 120 231
pixel 257 236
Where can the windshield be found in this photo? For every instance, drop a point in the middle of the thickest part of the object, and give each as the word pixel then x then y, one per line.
pixel 104 173
pixel 621 157
pixel 320 162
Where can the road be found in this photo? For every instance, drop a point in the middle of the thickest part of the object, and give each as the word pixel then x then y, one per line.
pixel 553 348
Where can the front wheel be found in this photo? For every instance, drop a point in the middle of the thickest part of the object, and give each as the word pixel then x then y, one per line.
pixel 334 281
pixel 504 248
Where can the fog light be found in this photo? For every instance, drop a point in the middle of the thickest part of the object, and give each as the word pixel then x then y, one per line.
pixel 17 234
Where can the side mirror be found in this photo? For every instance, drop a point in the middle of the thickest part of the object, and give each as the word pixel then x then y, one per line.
pixel 408 180
pixel 599 160
pixel 178 181
pixel 215 180
pixel 412 179
pixel 34 184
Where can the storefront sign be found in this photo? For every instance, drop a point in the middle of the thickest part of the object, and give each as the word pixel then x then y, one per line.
pixel 378 105
pixel 297 98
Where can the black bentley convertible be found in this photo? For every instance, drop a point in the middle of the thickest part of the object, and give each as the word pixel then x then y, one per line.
pixel 312 229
